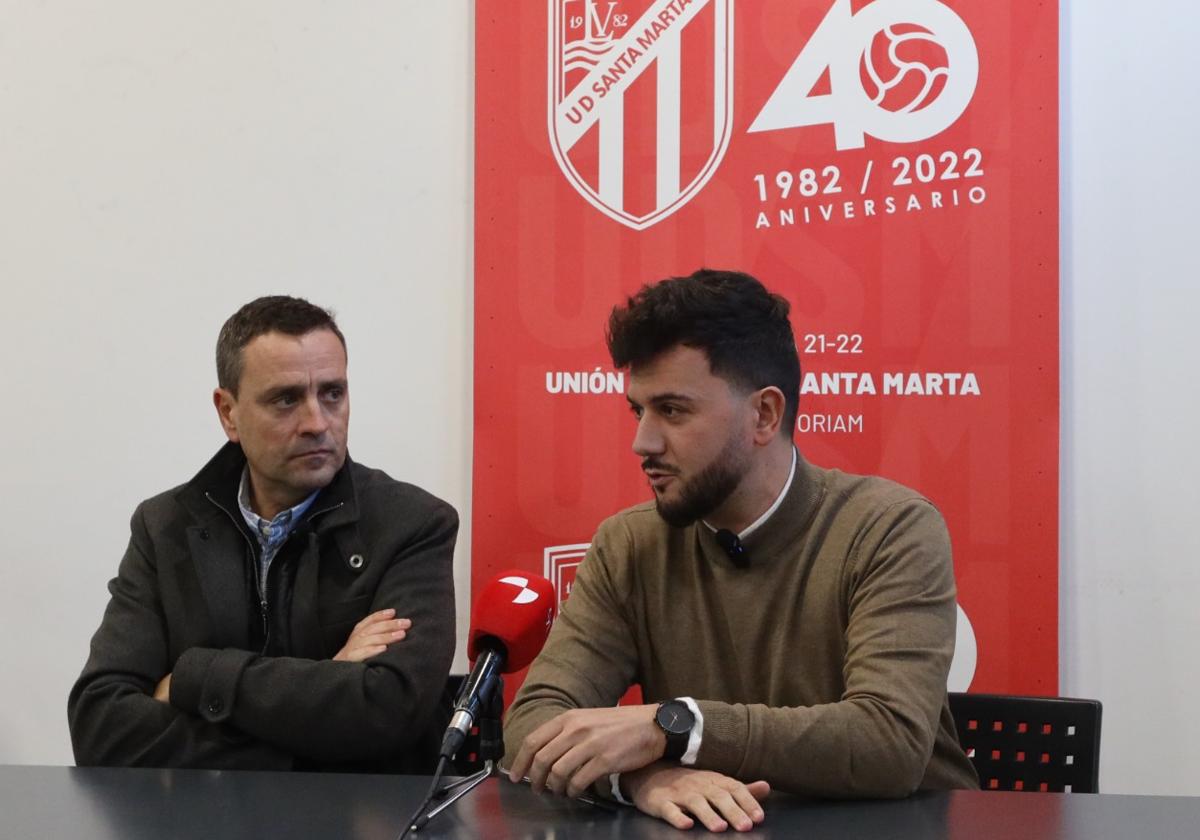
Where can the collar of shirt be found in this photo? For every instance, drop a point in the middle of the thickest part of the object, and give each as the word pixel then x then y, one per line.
pixel 757 523
pixel 270 534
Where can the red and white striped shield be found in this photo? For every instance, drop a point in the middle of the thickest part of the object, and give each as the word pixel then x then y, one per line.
pixel 640 100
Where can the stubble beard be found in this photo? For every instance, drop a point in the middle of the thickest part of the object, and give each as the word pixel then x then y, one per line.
pixel 703 494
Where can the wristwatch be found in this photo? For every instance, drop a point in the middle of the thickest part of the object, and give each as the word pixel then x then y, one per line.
pixel 676 720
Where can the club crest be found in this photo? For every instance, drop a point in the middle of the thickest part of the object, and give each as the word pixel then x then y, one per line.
pixel 640 101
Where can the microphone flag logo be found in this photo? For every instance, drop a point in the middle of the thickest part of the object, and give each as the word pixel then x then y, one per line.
pixel 614 63
pixel 525 595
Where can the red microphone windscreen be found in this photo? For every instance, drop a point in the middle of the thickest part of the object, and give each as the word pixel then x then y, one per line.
pixel 517 608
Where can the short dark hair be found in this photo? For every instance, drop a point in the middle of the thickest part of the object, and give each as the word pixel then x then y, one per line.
pixel 730 316
pixel 273 313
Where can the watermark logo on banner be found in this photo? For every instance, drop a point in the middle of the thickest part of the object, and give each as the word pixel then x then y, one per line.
pixel 601 49
pixel 560 563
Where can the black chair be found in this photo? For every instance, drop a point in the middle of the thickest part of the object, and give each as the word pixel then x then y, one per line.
pixel 1030 743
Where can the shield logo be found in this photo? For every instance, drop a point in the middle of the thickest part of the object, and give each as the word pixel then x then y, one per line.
pixel 560 563
pixel 640 101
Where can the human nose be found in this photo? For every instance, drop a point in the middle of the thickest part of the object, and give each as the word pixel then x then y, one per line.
pixel 313 421
pixel 648 440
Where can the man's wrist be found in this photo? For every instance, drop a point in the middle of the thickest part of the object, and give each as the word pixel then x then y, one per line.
pixel 677 719
pixel 693 746
pixel 628 783
pixel 204 681
pixel 614 781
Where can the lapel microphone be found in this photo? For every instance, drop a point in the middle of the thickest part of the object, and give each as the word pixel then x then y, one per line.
pixel 733 547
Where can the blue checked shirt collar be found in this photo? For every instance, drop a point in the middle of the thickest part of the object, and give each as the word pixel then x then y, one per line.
pixel 270 534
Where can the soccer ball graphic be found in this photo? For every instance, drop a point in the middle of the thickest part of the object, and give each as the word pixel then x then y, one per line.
pixel 904 69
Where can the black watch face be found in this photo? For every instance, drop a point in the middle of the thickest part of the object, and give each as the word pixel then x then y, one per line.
pixel 675 718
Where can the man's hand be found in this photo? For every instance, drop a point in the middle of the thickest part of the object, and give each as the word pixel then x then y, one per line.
pixel 162 691
pixel 372 635
pixel 570 752
pixel 718 801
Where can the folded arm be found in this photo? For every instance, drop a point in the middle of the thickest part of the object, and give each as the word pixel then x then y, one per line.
pixel 329 710
pixel 565 734
pixel 233 708
pixel 876 740
pixel 588 662
pixel 113 716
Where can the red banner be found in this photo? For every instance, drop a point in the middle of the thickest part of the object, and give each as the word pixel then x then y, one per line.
pixel 891 167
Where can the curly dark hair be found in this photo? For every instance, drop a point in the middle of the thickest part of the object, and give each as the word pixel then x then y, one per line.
pixel 741 327
pixel 274 313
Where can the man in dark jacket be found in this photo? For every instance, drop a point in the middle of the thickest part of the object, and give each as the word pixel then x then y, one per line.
pixel 287 608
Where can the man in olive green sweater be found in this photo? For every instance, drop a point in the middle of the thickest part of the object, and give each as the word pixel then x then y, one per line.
pixel 790 626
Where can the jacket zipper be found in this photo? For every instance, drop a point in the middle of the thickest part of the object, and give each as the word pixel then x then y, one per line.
pixel 263 605
pixel 262 611
pixel 262 595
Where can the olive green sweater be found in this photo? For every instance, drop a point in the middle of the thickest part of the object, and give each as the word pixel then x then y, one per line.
pixel 821 667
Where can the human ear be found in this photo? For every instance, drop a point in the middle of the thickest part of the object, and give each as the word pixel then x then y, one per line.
pixel 769 407
pixel 226 404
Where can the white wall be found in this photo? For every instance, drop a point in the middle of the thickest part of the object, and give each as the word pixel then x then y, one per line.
pixel 1130 588
pixel 161 163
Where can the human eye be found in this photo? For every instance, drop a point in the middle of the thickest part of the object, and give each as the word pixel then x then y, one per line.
pixel 636 410
pixel 284 400
pixel 334 393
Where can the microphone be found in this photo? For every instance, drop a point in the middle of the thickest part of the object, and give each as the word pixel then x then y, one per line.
pixel 733 547
pixel 509 625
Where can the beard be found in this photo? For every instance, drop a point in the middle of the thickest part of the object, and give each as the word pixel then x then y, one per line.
pixel 701 495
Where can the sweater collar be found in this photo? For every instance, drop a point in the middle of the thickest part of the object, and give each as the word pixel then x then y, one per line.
pixel 757 523
pixel 782 529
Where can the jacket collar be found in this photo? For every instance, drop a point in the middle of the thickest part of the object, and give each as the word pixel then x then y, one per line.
pixel 211 498
pixel 217 483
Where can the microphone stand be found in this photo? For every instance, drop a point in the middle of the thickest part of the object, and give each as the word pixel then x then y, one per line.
pixel 490 751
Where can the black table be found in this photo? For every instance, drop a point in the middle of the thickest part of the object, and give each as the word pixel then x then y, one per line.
pixel 47 803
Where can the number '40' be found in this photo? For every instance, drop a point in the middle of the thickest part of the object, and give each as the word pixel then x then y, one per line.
pixel 838 45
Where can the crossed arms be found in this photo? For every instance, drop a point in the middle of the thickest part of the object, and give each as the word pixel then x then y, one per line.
pixel 231 708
